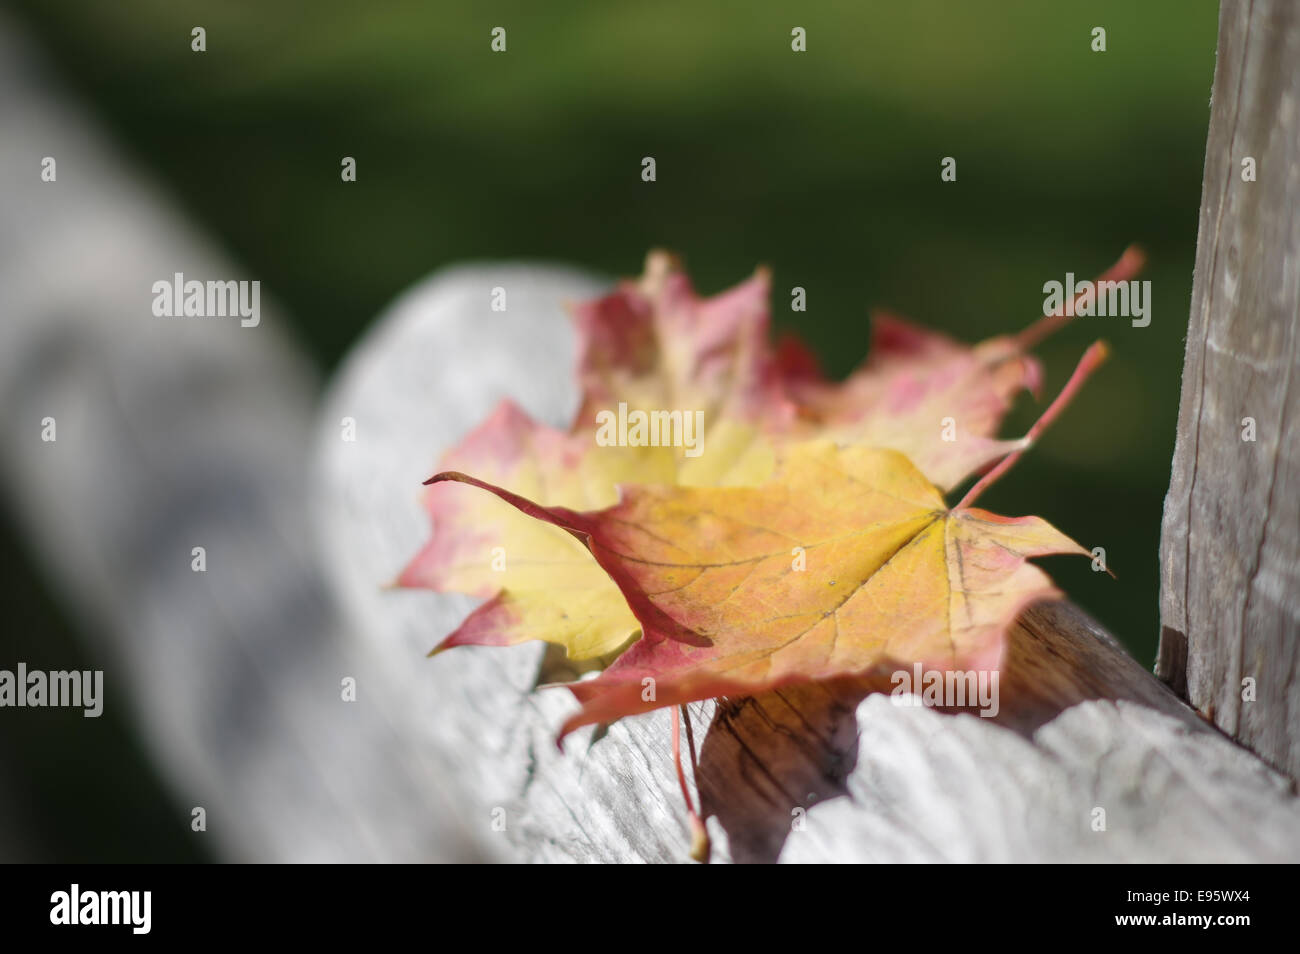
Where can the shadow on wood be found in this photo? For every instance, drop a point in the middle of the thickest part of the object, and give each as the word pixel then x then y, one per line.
pixel 766 760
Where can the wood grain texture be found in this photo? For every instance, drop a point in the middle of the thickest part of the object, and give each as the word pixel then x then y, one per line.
pixel 819 773
pixel 1230 547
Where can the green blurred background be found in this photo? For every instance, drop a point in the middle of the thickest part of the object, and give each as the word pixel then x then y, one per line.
pixel 824 165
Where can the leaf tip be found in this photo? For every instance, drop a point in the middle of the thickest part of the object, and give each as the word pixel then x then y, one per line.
pixel 1132 261
pixel 446 475
pixel 659 264
pixel 1098 352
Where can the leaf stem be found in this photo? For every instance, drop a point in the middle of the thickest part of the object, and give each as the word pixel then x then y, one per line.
pixel 1091 360
pixel 700 846
pixel 1125 267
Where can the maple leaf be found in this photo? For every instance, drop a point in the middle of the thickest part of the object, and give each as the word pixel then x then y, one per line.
pixel 899 577
pixel 539 582
pixel 913 383
pixel 648 346
pixel 655 345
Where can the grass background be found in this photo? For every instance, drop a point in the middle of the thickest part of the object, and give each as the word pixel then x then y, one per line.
pixel 824 165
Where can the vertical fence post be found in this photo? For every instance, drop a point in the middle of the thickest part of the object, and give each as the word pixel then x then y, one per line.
pixel 1230 544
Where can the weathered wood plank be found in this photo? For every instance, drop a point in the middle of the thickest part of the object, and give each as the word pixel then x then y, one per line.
pixel 1083 726
pixel 1230 548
